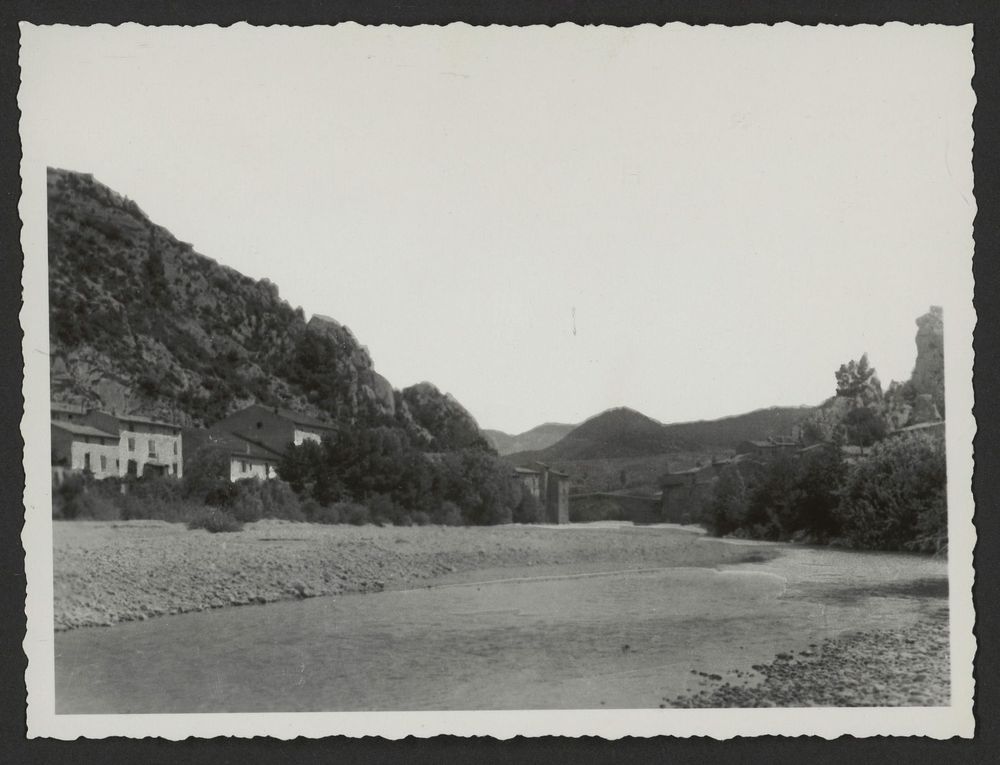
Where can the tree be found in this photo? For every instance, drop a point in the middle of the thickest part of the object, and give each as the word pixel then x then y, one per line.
pixel 206 477
pixel 774 500
pixel 864 426
pixel 896 498
pixel 854 377
pixel 820 479
pixel 727 510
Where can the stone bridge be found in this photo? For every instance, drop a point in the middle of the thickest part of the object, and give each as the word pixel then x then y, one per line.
pixel 612 506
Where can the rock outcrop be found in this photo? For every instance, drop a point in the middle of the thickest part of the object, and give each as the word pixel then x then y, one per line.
pixel 447 422
pixel 917 400
pixel 928 372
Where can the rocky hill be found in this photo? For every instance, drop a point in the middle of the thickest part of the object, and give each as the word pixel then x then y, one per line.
pixel 531 440
pixel 139 322
pixel 864 411
pixel 620 433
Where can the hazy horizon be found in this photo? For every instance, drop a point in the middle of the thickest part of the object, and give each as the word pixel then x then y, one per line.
pixel 549 226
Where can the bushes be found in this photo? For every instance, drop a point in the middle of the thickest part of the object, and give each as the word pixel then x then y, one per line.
pixel 382 468
pixel 896 499
pixel 355 514
pixel 529 509
pixel 730 504
pixel 75 498
pixel 448 514
pixel 214 521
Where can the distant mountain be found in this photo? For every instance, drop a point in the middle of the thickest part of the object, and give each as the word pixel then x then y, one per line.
pixel 623 432
pixel 727 432
pixel 531 440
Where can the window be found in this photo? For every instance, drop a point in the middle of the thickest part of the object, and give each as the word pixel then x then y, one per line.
pixel 175 448
pixel 244 467
pixel 86 461
pixel 131 444
pixel 104 463
pixel 152 448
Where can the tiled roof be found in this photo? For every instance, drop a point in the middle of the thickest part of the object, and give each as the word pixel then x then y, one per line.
pixel 240 446
pixel 57 406
pixel 302 419
pixel 83 430
pixel 138 418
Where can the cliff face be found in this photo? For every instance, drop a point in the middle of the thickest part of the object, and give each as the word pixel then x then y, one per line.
pixel 917 400
pixel 140 322
pixel 444 422
pixel 928 372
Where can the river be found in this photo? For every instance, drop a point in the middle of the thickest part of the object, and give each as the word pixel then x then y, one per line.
pixel 623 639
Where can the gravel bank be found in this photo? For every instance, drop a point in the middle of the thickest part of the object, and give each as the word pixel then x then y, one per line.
pixel 875 668
pixel 110 572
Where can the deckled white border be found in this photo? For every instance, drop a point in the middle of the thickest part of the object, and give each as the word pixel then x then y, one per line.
pixel 940 722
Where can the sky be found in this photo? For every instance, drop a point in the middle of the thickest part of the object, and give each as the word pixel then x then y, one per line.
pixel 546 223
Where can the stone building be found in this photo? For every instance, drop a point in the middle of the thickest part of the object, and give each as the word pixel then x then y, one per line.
pixel 66 412
pixel 273 428
pixel 79 447
pixel 549 486
pixel 245 459
pixel 145 447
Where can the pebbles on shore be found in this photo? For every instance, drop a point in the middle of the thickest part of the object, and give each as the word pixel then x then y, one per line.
pixel 874 668
pixel 110 572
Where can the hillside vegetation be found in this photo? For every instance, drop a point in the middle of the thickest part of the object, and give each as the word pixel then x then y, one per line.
pixel 140 322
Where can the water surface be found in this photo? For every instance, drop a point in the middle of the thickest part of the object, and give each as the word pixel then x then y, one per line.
pixel 619 639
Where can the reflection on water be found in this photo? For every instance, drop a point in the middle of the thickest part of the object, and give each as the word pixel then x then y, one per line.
pixel 610 640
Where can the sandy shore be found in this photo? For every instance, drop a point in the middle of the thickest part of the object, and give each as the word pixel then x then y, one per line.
pixel 111 572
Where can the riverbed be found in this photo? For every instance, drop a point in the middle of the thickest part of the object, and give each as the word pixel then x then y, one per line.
pixel 575 634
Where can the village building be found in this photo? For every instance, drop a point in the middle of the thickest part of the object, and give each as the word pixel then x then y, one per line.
pixel 81 448
pixel 145 447
pixel 770 446
pixel 66 412
pixel 549 486
pixel 274 428
pixel 245 458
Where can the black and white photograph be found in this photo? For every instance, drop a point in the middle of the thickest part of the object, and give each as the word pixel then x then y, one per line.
pixel 498 380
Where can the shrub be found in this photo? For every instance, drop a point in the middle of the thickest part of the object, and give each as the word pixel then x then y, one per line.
pixel 727 512
pixel 67 497
pixel 330 515
pixel 529 509
pixel 245 504
pixel 311 509
pixel 280 501
pixel 206 477
pixel 384 510
pixel 896 498
pixel 420 518
pixel 355 514
pixel 447 515
pixel 214 521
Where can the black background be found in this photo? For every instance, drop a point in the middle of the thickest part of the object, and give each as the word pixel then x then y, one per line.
pixel 15 748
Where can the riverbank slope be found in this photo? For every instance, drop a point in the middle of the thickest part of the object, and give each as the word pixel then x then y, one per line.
pixel 111 572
